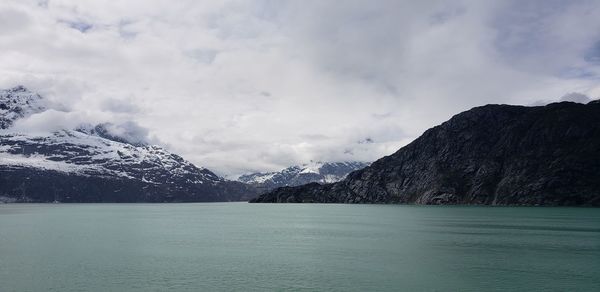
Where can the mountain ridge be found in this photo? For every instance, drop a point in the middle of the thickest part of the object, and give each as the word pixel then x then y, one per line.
pixel 91 164
pixel 489 155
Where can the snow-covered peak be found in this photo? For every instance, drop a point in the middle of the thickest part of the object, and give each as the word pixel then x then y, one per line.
pixel 82 154
pixel 312 167
pixel 330 168
pixel 314 171
pixel 18 102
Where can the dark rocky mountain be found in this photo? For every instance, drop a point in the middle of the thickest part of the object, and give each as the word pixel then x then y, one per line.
pixel 320 172
pixel 92 165
pixel 489 155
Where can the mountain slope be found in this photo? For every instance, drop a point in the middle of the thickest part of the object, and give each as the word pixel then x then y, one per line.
pixel 492 155
pixel 93 166
pixel 320 172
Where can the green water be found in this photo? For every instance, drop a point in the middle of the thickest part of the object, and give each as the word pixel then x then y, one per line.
pixel 262 247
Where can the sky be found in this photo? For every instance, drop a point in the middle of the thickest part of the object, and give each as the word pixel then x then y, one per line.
pixel 244 86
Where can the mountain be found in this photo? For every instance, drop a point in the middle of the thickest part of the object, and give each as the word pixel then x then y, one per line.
pixel 489 155
pixel 93 165
pixel 320 172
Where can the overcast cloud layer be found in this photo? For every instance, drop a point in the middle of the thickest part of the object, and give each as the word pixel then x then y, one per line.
pixel 239 86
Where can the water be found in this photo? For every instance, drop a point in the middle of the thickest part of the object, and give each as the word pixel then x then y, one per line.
pixel 258 247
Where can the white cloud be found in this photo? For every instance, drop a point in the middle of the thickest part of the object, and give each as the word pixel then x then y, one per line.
pixel 49 121
pixel 259 85
pixel 576 97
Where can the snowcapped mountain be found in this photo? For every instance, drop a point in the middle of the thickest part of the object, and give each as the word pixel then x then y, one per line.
pixel 320 172
pixel 92 164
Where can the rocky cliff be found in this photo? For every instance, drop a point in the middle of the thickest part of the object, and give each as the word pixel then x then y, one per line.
pixel 489 155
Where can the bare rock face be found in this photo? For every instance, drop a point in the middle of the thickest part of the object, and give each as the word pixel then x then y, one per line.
pixel 489 155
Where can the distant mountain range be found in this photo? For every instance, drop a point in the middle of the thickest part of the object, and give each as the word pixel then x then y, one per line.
pixel 489 155
pixel 318 172
pixel 91 164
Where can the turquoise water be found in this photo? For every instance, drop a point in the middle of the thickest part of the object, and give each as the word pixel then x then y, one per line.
pixel 304 247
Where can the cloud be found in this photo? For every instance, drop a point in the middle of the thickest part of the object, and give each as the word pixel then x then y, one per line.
pixel 52 120
pixel 119 105
pixel 576 97
pixel 125 132
pixel 260 85
pixel 129 131
pixel 206 56
pixel 79 25
pixel 13 20
pixel 572 97
pixel 48 121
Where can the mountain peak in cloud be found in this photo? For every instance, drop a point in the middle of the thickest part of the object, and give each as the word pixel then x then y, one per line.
pixel 18 102
pixel 128 132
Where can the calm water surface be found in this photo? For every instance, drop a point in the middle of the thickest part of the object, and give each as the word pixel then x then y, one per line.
pixel 258 247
